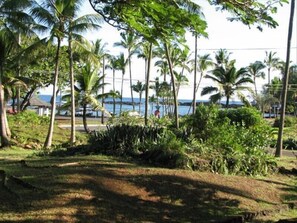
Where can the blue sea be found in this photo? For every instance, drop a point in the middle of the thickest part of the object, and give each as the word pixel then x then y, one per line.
pixel 183 109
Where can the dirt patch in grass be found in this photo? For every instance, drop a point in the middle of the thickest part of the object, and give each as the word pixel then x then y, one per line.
pixel 100 189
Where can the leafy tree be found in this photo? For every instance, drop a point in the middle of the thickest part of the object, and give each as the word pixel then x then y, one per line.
pixel 229 80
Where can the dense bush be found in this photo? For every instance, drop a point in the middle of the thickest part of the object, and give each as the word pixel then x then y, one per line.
pixel 29 118
pixel 236 139
pixel 244 116
pixel 154 145
pixel 290 144
pixel 230 142
pixel 289 121
pixel 124 139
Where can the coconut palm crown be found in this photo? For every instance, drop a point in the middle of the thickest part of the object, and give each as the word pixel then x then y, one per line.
pixel 229 80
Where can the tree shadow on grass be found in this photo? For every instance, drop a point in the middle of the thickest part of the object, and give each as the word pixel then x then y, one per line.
pixel 109 192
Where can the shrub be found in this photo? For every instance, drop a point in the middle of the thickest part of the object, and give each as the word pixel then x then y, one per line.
pixel 201 123
pixel 289 121
pixel 290 144
pixel 124 139
pixel 244 116
pixel 28 118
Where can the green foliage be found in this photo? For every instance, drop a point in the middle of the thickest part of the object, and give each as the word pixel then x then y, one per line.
pixel 127 140
pixel 29 118
pixel 289 121
pixel 167 151
pixel 201 124
pixel 233 141
pixel 244 116
pixel 126 119
pixel 28 131
pixel 290 144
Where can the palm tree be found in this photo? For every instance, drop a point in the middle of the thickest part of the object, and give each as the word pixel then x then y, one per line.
pixel 121 65
pixel 50 13
pixel 113 65
pixel 5 48
pixel 271 62
pixel 60 16
pixel 102 53
pixel 139 87
pixel 203 62
pixel 87 85
pixel 229 80
pixel 181 79
pixel 222 58
pixel 13 22
pixel 74 27
pixel 278 151
pixel 129 42
pixel 255 70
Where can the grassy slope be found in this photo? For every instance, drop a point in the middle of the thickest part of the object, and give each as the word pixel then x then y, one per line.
pixel 102 189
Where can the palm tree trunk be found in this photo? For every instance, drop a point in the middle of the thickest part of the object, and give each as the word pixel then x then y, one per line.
pixel 173 86
pixel 227 101
pixel 3 133
pixel 195 75
pixel 130 72
pixel 18 95
pixel 113 86
pixel 85 119
pixel 72 92
pixel 122 88
pixel 103 82
pixel 49 138
pixel 147 81
pixel 255 86
pixel 8 132
pixel 278 151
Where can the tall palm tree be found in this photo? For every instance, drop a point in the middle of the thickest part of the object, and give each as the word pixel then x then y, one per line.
pixel 75 26
pixel 60 16
pixel 121 65
pixel 278 151
pixel 229 80
pixel 102 53
pixel 139 87
pixel 130 42
pixel 5 48
pixel 113 65
pixel 271 62
pixel 203 63
pixel 51 14
pixel 255 70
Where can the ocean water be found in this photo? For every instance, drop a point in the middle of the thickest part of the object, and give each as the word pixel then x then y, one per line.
pixel 183 109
